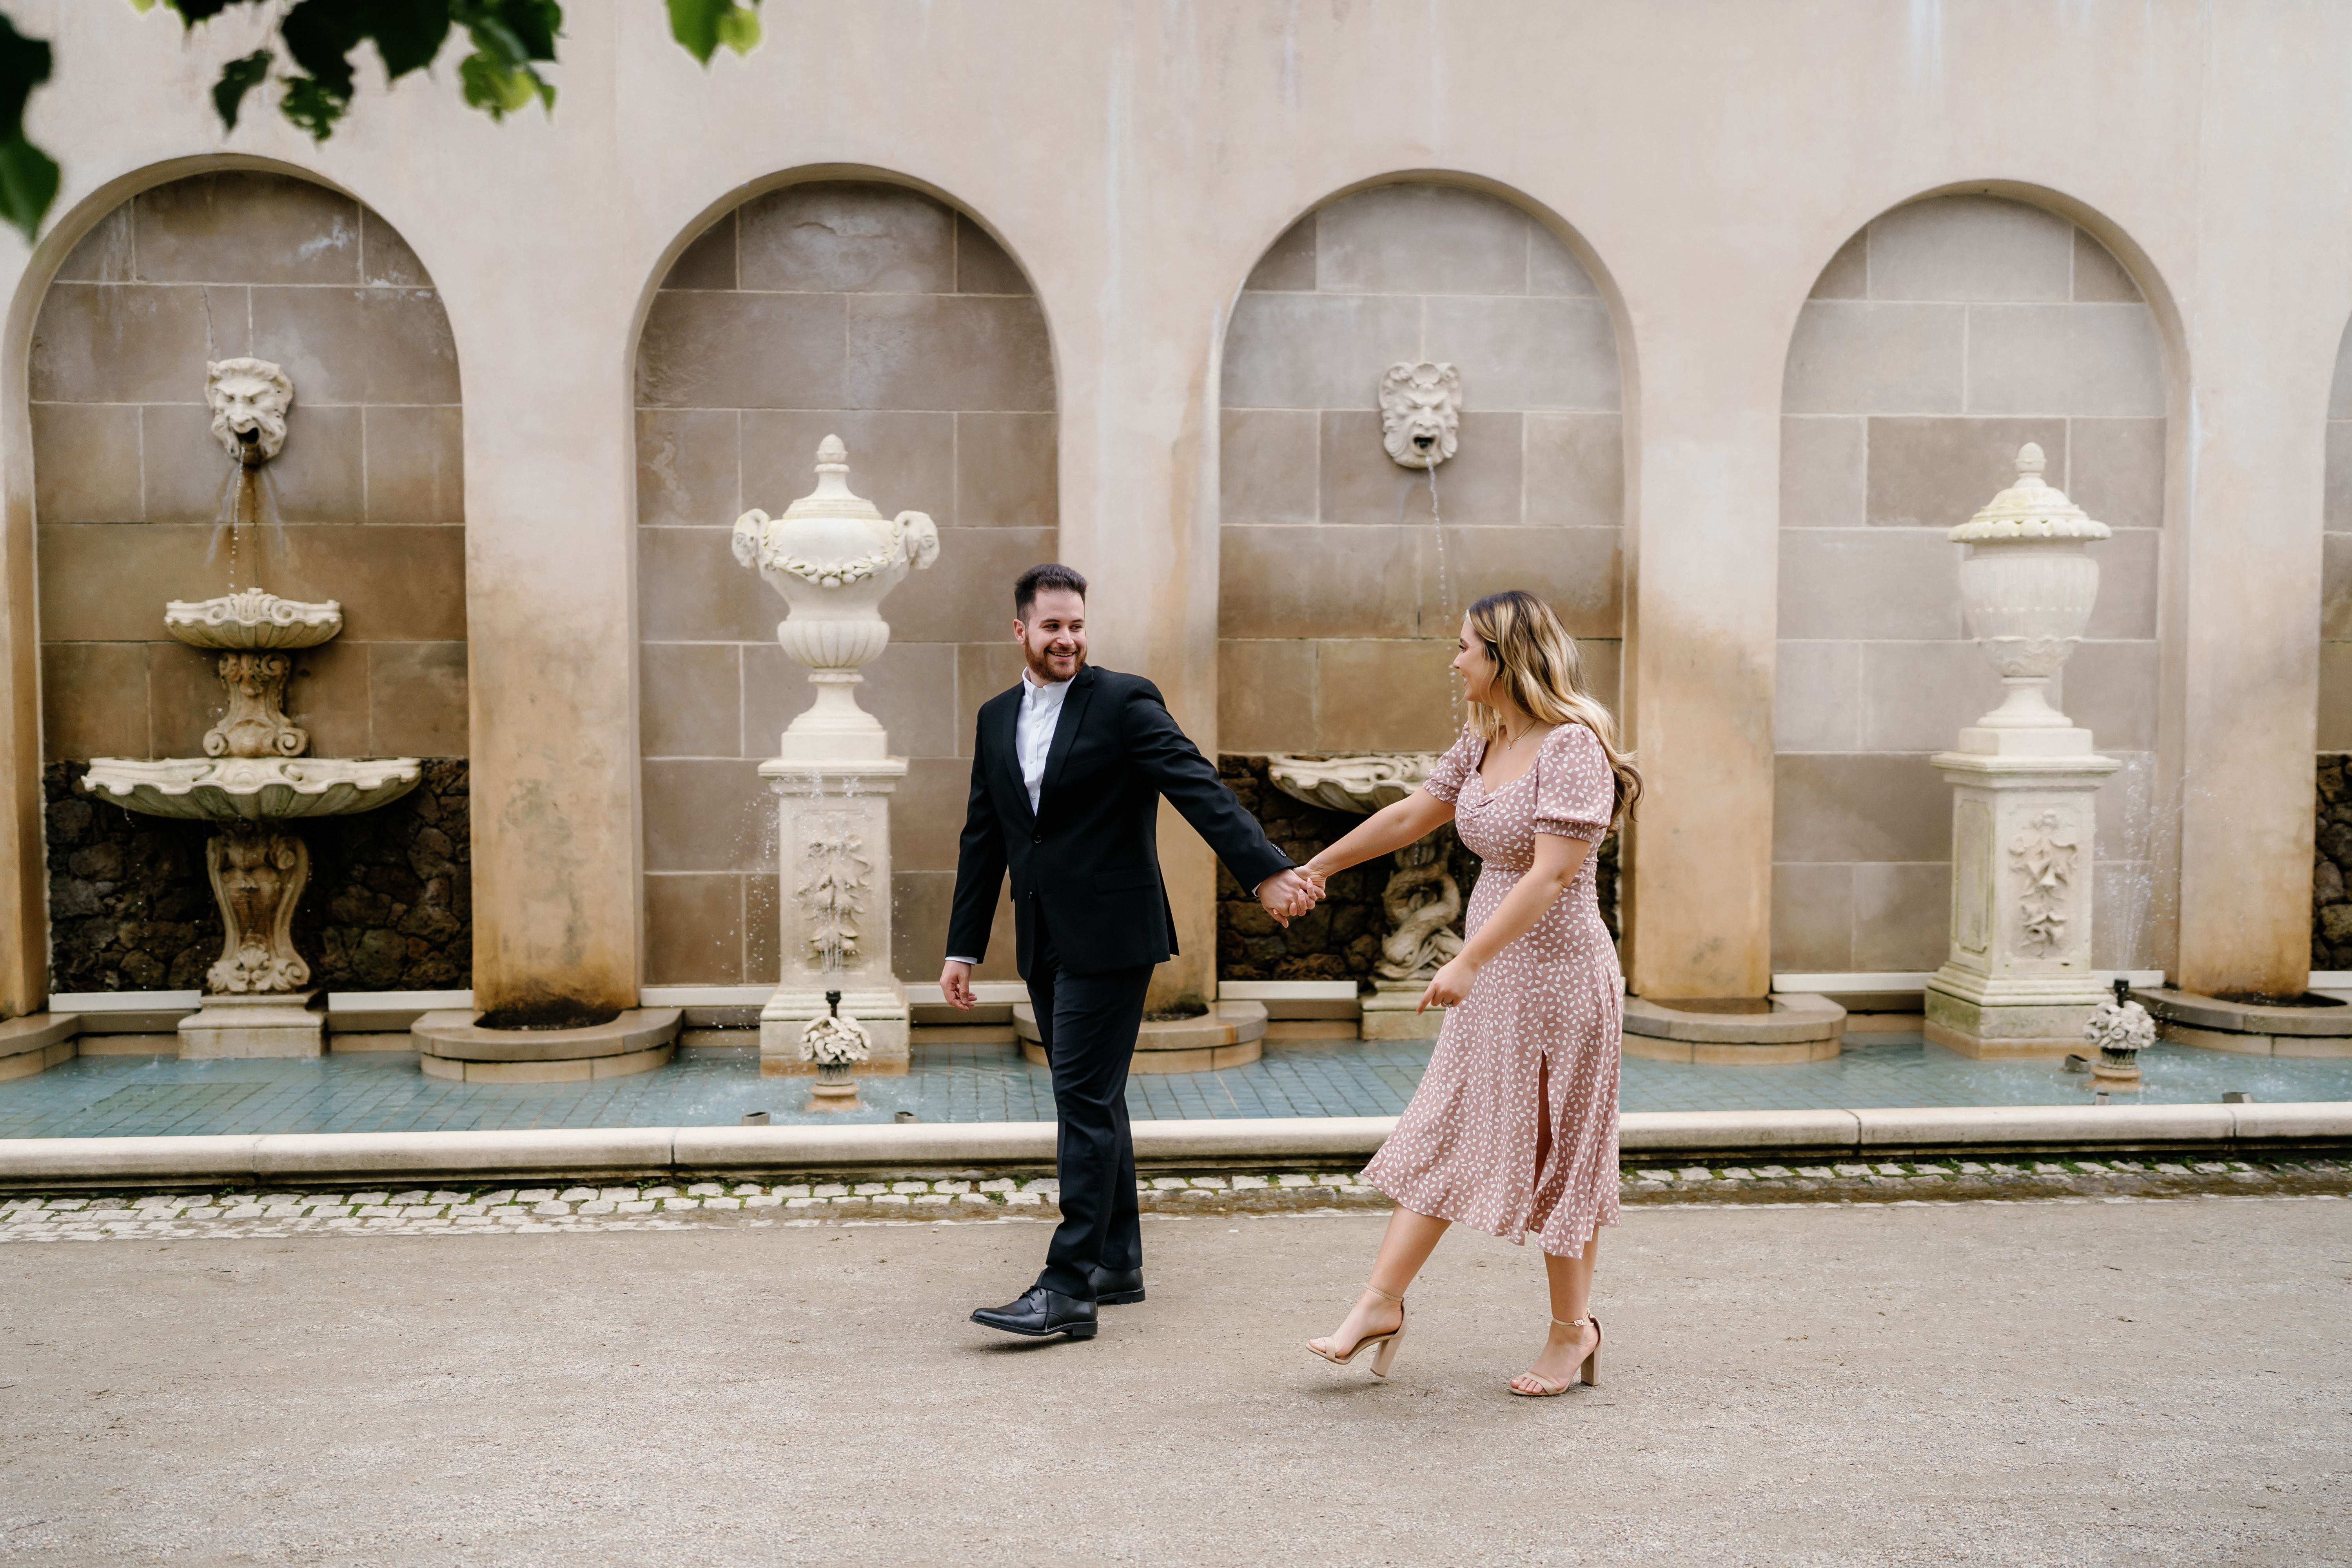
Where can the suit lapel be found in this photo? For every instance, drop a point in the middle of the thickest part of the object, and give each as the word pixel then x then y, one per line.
pixel 1008 744
pixel 1066 732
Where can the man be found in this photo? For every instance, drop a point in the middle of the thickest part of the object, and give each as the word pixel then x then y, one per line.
pixel 1067 772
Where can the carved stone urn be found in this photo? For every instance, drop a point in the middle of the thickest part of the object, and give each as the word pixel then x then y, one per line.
pixel 1421 899
pixel 2017 980
pixel 832 557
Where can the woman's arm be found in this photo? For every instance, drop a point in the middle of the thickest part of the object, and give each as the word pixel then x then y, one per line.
pixel 1390 828
pixel 1558 859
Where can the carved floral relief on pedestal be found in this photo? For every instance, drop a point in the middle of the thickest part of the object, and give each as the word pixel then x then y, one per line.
pixel 2042 855
pixel 836 877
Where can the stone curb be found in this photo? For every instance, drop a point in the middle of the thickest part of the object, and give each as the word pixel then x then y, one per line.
pixel 268 1159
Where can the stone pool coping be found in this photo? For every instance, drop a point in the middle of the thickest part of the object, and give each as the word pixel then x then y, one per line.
pixel 310 1158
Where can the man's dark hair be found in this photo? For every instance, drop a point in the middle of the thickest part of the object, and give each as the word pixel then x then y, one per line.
pixel 1037 580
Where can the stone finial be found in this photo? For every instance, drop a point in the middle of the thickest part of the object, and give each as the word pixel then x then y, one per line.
pixel 832 456
pixel 2029 509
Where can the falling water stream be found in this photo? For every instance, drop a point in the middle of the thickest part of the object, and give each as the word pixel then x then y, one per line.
pixel 248 519
pixel 1445 591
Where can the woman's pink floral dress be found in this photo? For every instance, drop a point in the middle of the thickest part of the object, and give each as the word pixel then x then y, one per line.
pixel 1465 1148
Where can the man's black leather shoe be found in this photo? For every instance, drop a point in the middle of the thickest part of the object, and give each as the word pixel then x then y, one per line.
pixel 1041 1312
pixel 1116 1287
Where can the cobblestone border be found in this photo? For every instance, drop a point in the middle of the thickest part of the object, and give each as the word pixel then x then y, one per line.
pixel 882 1198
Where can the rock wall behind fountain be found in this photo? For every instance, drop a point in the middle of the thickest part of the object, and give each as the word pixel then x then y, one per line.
pixel 389 905
pixel 1341 940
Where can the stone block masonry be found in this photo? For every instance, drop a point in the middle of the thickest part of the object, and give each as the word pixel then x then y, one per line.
pixel 388 908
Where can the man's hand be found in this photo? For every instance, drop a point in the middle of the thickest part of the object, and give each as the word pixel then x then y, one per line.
pixel 1288 895
pixel 955 985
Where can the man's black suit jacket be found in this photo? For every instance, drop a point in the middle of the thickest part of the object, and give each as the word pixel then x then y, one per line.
pixel 1091 849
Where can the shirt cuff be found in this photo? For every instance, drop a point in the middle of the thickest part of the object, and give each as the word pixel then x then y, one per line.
pixel 954 959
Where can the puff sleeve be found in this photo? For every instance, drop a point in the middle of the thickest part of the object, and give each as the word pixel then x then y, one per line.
pixel 1575 792
pixel 1453 769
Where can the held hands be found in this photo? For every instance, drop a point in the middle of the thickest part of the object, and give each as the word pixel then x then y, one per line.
pixel 1289 894
pixel 955 985
pixel 1450 986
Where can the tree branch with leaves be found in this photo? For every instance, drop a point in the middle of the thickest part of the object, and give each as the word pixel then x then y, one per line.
pixel 310 51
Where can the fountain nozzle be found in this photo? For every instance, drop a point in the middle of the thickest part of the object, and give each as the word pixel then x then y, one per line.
pixel 2123 989
pixel 833 1002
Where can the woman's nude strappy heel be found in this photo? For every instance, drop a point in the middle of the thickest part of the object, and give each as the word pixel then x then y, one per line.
pixel 1590 1371
pixel 1387 1341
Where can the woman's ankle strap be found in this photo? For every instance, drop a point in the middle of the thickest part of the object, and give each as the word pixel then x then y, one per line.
pixel 1571 1323
pixel 1384 1295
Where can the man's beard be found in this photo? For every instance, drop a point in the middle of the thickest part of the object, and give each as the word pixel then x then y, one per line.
pixel 1040 666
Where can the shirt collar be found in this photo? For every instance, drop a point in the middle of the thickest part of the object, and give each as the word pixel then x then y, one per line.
pixel 1042 689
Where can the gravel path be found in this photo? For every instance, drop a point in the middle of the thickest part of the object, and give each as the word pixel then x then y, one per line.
pixel 2062 1381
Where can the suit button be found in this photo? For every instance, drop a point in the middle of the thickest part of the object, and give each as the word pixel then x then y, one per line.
pixel 1037 838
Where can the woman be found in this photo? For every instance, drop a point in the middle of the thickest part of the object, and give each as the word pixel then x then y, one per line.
pixel 1514 1128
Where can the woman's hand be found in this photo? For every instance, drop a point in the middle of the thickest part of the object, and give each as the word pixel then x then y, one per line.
pixel 1450 986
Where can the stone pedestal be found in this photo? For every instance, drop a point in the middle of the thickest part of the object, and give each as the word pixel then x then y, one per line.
pixel 833 835
pixel 269 1024
pixel 1387 1012
pixel 2018 981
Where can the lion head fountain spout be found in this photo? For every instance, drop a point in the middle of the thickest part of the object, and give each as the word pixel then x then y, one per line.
pixel 249 399
pixel 1420 413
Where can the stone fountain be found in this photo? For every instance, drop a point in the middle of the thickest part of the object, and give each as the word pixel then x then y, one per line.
pixel 832 558
pixel 2018 980
pixel 1421 899
pixel 255 776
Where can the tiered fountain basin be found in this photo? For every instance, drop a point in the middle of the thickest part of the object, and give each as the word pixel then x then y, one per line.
pixel 252 789
pixel 253 779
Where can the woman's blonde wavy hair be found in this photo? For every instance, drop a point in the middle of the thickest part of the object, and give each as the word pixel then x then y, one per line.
pixel 1540 671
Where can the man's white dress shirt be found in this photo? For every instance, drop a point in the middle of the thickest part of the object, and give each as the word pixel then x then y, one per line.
pixel 1041 710
pixel 1033 738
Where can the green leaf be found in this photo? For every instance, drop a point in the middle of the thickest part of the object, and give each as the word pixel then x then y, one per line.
pixel 24 66
pixel 28 184
pixel 28 176
pixel 497 90
pixel 239 77
pixel 701 25
pixel 738 30
pixel 313 106
pixel 409 33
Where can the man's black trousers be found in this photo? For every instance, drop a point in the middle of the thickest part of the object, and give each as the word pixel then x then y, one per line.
pixel 1088 1022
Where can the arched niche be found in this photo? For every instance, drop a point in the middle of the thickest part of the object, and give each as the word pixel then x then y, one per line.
pixel 1336 602
pixel 1942 336
pixel 1338 599
pixel 884 314
pixel 366 506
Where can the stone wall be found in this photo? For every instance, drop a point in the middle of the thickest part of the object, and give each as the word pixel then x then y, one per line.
pixel 2331 880
pixel 875 313
pixel 1338 603
pixel 129 485
pixel 1340 939
pixel 388 907
pixel 1940 340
